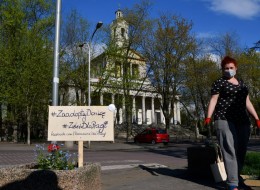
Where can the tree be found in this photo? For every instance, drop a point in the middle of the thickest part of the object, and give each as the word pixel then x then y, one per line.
pixel 26 27
pixel 74 66
pixel 249 71
pixel 225 44
pixel 201 72
pixel 166 46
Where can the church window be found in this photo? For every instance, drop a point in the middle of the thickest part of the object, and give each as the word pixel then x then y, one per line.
pixel 122 32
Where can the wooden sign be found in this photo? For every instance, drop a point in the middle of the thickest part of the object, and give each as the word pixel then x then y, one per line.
pixel 80 123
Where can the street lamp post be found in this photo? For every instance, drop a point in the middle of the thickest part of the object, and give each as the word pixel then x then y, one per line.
pixel 80 143
pixel 55 86
pixel 99 24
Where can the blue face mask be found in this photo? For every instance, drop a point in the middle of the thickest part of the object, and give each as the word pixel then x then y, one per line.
pixel 229 73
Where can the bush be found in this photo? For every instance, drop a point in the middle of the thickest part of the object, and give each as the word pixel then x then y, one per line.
pixel 56 159
pixel 252 164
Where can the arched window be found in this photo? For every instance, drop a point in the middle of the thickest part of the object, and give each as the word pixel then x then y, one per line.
pixel 122 32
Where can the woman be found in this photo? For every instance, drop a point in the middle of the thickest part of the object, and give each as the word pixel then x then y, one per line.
pixel 231 103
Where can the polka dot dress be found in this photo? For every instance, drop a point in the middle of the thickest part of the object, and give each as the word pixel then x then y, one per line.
pixel 231 103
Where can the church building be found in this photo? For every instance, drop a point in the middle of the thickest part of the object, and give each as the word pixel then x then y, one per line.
pixel 110 83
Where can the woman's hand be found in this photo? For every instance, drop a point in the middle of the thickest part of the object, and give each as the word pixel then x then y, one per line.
pixel 208 120
pixel 257 123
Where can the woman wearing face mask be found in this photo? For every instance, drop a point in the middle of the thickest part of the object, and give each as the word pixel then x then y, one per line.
pixel 231 104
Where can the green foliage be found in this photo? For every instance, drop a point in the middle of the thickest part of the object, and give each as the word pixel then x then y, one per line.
pixel 201 73
pixel 26 59
pixel 252 164
pixel 54 160
pixel 249 71
pixel 168 44
pixel 74 68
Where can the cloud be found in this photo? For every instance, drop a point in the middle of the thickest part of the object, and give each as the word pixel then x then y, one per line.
pixel 205 35
pixel 214 57
pixel 244 9
pixel 98 49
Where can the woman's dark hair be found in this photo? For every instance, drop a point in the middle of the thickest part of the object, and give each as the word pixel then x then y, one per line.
pixel 228 60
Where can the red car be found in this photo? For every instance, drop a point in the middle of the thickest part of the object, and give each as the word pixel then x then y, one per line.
pixel 152 135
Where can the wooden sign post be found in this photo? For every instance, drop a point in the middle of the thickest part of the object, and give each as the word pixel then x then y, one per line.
pixel 80 123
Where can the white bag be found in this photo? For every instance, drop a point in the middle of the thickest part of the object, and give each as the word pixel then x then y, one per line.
pixel 218 168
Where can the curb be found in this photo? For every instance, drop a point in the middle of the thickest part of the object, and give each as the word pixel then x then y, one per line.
pixel 252 182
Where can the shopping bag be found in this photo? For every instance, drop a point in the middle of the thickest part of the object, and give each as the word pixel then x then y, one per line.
pixel 218 171
pixel 218 168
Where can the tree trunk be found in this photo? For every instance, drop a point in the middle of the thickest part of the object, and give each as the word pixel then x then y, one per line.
pixel 28 125
pixel 196 130
pixel 167 123
pixel 1 122
pixel 82 97
pixel 127 124
pixel 77 98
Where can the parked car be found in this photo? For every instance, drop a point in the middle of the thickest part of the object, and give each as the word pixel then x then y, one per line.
pixel 152 135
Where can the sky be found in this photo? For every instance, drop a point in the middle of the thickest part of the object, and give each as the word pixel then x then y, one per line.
pixel 210 17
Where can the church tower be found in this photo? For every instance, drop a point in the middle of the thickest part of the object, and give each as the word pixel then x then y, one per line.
pixel 119 29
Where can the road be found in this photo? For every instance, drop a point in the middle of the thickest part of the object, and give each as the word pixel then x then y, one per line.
pixel 130 155
pixel 144 167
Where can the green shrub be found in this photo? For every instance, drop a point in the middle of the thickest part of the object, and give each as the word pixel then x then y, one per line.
pixel 252 164
pixel 54 159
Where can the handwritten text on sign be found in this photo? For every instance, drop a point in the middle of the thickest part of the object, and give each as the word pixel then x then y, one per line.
pixel 80 123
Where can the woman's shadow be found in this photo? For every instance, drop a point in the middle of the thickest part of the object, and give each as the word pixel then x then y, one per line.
pixel 37 180
pixel 185 175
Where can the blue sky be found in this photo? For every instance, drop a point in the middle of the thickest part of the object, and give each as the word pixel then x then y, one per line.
pixel 209 17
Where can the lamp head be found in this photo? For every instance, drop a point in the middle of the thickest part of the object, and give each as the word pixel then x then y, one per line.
pixel 99 24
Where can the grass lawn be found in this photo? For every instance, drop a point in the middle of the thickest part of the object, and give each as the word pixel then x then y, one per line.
pixel 252 164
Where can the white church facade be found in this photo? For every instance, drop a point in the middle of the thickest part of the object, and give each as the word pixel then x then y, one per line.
pixel 145 102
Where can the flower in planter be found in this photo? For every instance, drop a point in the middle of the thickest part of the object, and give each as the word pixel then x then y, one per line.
pixel 56 159
pixel 53 147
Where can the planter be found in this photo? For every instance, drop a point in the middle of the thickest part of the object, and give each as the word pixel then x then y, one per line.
pixel 26 177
